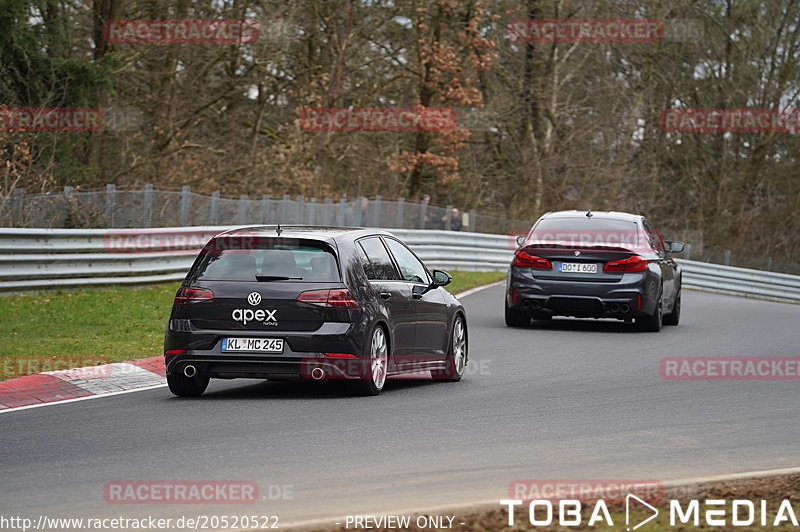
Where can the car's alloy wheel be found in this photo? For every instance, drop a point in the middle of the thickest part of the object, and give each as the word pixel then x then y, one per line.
pixel 457 354
pixel 378 357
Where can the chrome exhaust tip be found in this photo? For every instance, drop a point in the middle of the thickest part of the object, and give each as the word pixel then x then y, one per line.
pixel 189 370
pixel 317 374
pixel 614 307
pixel 626 308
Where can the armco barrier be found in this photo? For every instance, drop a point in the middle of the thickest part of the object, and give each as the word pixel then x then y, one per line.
pixel 35 259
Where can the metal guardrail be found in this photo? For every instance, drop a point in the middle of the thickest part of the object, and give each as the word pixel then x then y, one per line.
pixel 741 281
pixel 37 259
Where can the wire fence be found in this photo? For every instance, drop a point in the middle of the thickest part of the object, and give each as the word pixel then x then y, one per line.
pixel 116 207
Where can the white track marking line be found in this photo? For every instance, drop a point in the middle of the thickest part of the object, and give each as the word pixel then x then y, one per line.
pixel 477 289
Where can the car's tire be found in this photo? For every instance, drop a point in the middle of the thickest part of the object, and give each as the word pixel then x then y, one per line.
pixel 376 365
pixel 456 361
pixel 184 386
pixel 674 317
pixel 516 318
pixel 652 323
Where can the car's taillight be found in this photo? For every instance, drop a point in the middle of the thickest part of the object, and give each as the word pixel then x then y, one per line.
pixel 174 352
pixel 189 295
pixel 341 298
pixel 522 258
pixel 340 355
pixel 634 263
pixel 315 297
pixel 335 297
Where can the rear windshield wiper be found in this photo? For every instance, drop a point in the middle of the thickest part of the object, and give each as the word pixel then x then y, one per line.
pixel 276 278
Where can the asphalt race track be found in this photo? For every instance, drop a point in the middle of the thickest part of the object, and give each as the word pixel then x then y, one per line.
pixel 567 399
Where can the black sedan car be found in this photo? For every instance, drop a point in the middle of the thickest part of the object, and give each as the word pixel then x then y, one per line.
pixel 594 265
pixel 312 303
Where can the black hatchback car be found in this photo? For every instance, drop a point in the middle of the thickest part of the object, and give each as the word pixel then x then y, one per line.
pixel 594 265
pixel 312 303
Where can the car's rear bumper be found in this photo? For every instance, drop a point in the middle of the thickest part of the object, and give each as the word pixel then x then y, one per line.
pixel 302 352
pixel 260 366
pixel 626 299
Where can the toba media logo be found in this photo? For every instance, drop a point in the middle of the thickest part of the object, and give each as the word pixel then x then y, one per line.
pixel 566 502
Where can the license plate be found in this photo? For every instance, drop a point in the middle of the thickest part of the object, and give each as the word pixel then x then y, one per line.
pixel 577 267
pixel 262 345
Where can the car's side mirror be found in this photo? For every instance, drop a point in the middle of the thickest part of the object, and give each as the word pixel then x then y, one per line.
pixel 520 240
pixel 675 247
pixel 441 278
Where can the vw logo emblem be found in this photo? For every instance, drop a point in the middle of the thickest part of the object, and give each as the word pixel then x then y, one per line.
pixel 577 253
pixel 254 298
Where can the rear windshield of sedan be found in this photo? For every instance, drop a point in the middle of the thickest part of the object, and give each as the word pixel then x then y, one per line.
pixel 246 258
pixel 583 231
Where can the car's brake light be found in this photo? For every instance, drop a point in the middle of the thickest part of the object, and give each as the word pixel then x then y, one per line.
pixel 335 297
pixel 522 258
pixel 339 297
pixel 634 263
pixel 315 297
pixel 188 295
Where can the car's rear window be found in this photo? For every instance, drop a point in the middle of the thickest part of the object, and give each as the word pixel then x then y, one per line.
pixel 585 231
pixel 241 258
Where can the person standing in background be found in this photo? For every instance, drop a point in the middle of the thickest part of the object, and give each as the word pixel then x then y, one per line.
pixel 456 223
pixel 425 201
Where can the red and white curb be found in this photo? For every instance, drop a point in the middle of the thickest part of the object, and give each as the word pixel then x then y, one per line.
pixel 72 384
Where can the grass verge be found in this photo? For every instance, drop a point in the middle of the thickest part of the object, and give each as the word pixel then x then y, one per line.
pixel 58 330
pixel 466 280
